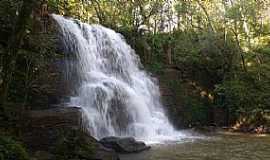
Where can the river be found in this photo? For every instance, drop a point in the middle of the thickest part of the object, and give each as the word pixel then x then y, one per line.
pixel 221 146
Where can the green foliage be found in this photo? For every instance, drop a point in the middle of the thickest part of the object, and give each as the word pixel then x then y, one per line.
pixel 32 57
pixel 204 57
pixel 157 43
pixel 245 93
pixel 8 9
pixel 156 68
pixel 222 46
pixel 11 150
pixel 196 112
pixel 193 108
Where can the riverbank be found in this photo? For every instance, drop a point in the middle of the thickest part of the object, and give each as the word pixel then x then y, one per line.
pixel 260 130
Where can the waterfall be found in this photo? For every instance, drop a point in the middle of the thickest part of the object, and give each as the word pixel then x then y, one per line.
pixel 117 97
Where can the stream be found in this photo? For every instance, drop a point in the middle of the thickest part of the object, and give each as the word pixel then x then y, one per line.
pixel 221 146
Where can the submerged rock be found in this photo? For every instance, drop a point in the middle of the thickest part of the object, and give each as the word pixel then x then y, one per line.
pixel 124 145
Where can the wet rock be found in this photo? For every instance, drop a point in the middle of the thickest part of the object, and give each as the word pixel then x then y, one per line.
pixel 124 145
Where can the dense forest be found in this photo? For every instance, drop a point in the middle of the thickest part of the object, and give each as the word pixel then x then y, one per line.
pixel 211 58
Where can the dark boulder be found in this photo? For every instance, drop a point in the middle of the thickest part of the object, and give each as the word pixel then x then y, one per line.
pixel 124 145
pixel 78 145
pixel 59 133
pixel 43 127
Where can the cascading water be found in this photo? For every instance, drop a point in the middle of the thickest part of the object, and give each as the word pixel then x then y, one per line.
pixel 116 96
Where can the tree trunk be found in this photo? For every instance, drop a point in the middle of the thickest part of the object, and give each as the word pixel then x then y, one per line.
pixel 240 51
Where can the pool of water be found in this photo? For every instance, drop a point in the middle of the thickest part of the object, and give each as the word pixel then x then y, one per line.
pixel 222 146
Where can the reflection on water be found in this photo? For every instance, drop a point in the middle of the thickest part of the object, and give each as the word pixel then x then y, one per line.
pixel 219 147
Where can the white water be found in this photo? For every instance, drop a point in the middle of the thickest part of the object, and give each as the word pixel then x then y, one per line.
pixel 117 97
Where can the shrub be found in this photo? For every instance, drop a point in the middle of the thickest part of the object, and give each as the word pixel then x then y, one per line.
pixel 11 150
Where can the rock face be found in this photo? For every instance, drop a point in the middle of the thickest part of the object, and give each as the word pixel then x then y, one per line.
pixel 81 146
pixel 124 145
pixel 58 117
pixel 43 127
pixel 59 132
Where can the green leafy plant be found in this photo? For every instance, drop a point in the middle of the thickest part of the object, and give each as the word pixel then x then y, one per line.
pixel 11 150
